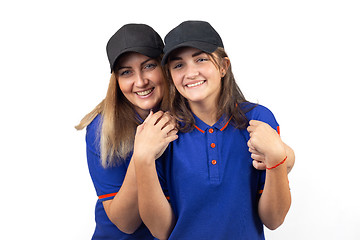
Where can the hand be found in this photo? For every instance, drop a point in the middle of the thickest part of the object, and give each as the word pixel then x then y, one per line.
pixel 258 158
pixel 154 135
pixel 265 145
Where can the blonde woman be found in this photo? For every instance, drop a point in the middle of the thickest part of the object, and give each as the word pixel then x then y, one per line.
pixel 137 86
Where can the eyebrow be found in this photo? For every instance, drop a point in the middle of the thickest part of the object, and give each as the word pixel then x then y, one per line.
pixel 174 58
pixel 147 60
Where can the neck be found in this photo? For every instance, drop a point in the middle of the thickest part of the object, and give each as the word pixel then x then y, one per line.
pixel 143 113
pixel 206 112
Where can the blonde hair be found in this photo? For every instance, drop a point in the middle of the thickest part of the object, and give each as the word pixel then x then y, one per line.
pixel 119 123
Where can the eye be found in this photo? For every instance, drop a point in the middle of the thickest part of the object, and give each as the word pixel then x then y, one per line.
pixel 150 66
pixel 124 73
pixel 177 65
pixel 202 59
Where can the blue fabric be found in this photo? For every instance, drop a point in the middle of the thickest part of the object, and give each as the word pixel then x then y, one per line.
pixel 107 181
pixel 214 200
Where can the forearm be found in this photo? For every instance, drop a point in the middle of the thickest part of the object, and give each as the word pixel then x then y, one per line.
pixel 276 198
pixel 123 210
pixel 154 208
pixel 290 157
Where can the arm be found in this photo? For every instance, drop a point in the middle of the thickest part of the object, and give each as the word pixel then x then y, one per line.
pixel 290 161
pixel 151 139
pixel 259 159
pixel 123 210
pixel 275 200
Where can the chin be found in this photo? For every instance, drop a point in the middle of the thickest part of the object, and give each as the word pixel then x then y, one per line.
pixel 148 107
pixel 195 99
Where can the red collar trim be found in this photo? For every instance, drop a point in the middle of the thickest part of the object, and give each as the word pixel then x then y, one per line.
pixel 199 129
pixel 222 129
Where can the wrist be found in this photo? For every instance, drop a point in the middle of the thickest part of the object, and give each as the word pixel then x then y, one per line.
pixel 275 155
pixel 278 164
pixel 143 158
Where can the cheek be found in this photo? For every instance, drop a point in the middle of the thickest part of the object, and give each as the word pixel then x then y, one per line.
pixel 176 79
pixel 158 79
pixel 210 70
pixel 124 86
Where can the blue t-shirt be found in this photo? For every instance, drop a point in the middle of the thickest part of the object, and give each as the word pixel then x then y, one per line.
pixel 107 182
pixel 211 183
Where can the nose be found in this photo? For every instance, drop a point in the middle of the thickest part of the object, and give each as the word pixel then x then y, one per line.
pixel 141 80
pixel 192 72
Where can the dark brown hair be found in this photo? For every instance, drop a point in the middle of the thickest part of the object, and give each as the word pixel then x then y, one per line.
pixel 231 100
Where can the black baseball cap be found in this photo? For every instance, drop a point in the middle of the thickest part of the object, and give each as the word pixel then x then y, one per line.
pixel 196 34
pixel 132 37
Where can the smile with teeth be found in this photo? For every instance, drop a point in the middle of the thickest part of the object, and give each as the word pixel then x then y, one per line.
pixel 144 93
pixel 195 84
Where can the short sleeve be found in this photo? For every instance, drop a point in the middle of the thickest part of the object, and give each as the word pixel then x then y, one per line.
pixel 262 178
pixel 107 181
pixel 161 170
pixel 261 113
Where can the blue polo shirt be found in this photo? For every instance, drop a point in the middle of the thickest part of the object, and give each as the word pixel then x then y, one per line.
pixel 107 182
pixel 212 186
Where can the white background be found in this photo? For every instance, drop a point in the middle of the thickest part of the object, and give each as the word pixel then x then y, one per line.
pixel 301 59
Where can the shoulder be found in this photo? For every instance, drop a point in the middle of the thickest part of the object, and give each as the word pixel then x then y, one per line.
pixel 95 124
pixel 93 130
pixel 259 112
pixel 254 111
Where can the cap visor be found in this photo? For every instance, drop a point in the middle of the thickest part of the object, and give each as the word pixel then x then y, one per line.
pixel 147 51
pixel 203 46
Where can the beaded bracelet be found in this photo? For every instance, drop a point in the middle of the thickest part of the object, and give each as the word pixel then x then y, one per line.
pixel 277 164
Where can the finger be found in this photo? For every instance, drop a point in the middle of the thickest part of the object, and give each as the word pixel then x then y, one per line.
pixel 173 132
pixel 259 165
pixel 250 129
pixel 254 122
pixel 171 138
pixel 254 151
pixel 164 121
pixel 258 157
pixel 250 144
pixel 140 128
pixel 155 117
pixel 168 128
pixel 148 116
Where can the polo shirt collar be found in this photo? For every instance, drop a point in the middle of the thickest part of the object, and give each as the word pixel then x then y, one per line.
pixel 221 124
pixel 137 116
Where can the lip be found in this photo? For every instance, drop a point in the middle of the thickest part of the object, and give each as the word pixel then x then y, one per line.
pixel 146 93
pixel 194 84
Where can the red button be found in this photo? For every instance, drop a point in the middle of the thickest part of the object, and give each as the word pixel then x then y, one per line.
pixel 211 130
pixel 212 145
pixel 213 162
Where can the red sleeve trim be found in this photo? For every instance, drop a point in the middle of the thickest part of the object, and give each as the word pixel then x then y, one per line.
pixel 107 195
pixel 278 130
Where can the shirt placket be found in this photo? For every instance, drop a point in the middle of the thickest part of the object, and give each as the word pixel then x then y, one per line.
pixel 213 158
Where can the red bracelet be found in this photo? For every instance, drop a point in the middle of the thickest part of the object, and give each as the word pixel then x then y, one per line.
pixel 277 164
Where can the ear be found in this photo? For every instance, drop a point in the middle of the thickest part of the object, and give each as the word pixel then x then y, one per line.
pixel 225 64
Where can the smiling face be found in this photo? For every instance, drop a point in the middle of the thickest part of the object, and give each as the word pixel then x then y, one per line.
pixel 195 76
pixel 141 80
